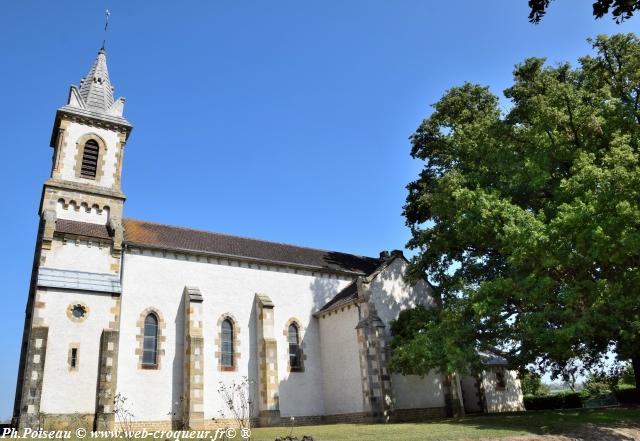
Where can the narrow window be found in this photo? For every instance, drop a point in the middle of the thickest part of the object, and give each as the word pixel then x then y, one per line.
pixel 227 344
pixel 294 347
pixel 150 345
pixel 90 159
pixel 74 358
pixel 501 382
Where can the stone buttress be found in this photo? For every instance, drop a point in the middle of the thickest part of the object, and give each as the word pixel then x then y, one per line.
pixel 268 382
pixel 192 395
pixel 374 356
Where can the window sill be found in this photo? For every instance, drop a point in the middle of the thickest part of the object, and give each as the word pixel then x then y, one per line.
pixel 150 366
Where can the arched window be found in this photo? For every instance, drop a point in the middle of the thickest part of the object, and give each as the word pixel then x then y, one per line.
pixel 294 346
pixel 90 159
pixel 150 345
pixel 226 353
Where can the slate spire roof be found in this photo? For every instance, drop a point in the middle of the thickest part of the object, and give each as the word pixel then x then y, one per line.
pixel 95 89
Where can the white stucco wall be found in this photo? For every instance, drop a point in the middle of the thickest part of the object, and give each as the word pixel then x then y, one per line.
pixel 150 280
pixel 73 132
pixel 391 294
pixel 79 256
pixel 502 400
pixel 412 391
pixel 65 391
pixel 81 213
pixel 342 384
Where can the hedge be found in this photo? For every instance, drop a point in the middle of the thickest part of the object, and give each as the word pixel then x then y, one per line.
pixel 626 395
pixel 570 400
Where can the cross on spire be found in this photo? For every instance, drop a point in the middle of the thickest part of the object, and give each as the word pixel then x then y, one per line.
pixel 107 14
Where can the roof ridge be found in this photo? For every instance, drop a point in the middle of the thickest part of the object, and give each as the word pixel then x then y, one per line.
pixel 250 238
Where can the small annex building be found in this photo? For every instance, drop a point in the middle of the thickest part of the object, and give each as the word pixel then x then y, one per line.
pixel 163 315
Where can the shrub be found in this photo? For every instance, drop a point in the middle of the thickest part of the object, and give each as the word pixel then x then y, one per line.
pixel 532 384
pixel 569 400
pixel 626 395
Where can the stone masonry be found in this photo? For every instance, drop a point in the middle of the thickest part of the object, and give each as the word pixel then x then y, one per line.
pixel 107 372
pixel 193 415
pixel 34 370
pixel 268 402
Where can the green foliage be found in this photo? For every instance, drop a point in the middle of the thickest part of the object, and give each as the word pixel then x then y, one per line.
pixel 598 385
pixel 626 394
pixel 528 220
pixel 424 341
pixel 570 400
pixel 627 376
pixel 620 9
pixel 606 381
pixel 532 384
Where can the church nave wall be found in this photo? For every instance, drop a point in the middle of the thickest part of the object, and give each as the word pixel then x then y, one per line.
pixel 152 281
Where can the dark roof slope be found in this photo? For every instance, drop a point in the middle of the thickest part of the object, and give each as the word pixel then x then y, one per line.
pixel 82 229
pixel 176 238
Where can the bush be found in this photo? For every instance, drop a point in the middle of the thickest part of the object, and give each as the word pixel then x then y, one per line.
pixel 532 384
pixel 594 387
pixel 569 400
pixel 626 395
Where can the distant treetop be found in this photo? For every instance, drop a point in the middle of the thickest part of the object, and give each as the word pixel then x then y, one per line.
pixel 620 9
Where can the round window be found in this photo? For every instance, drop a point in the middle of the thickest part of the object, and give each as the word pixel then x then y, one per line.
pixel 78 311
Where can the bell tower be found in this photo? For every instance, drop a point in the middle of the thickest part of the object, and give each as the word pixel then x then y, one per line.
pixel 88 140
pixel 71 333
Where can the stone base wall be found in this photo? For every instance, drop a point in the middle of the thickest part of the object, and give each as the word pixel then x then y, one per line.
pixel 427 413
pixel 397 416
pixel 172 425
pixel 149 425
pixel 346 418
pixel 67 421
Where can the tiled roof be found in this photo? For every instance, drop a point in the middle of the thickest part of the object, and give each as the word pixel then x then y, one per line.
pixel 347 295
pixel 491 359
pixel 176 238
pixel 82 229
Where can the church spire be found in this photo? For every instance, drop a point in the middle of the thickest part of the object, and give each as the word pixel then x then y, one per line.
pixel 95 89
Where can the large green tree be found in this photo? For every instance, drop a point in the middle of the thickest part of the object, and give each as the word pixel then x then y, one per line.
pixel 620 9
pixel 526 217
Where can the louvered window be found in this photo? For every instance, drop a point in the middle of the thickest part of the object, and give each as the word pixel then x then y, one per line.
pixel 90 159
pixel 227 344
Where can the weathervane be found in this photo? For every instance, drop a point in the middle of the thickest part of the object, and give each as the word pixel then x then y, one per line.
pixel 106 25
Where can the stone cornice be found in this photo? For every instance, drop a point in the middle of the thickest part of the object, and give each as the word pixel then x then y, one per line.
pixel 88 117
pixel 84 188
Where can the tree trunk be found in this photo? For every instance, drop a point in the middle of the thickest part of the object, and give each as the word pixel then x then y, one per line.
pixel 635 362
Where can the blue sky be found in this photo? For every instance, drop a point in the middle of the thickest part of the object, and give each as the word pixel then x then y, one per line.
pixel 280 120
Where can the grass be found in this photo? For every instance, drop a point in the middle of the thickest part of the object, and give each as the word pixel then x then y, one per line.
pixel 473 427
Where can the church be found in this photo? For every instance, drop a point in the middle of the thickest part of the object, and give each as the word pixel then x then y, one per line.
pixel 165 316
